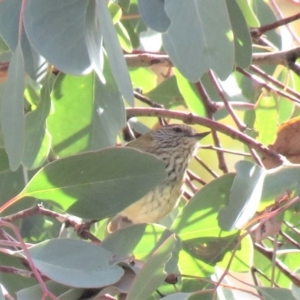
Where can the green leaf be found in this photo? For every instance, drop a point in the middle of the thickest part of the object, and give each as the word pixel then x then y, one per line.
pixel 114 52
pixel 248 12
pixel 87 126
pixel 152 272
pixel 38 139
pixel 245 196
pixel 197 222
pixel 12 110
pixel 167 93
pixel 115 12
pixel 35 292
pixel 199 216
pixel 86 266
pixel 66 49
pixel 189 92
pixel 11 183
pixel 242 38
pixel 286 107
pixel 123 37
pixel 99 184
pixel 143 78
pixel 280 181
pixel 154 15
pixel 139 239
pixel 276 293
pixel 266 119
pixel 178 296
pixel 9 29
pixel 210 249
pixel 94 39
pixel 203 41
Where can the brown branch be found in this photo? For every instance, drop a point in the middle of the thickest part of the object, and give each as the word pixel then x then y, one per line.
pixel 20 272
pixel 29 259
pixel 147 60
pixel 208 169
pixel 81 228
pixel 242 127
pixel 211 147
pixel 286 58
pixel 280 265
pixel 194 177
pixel 259 31
pixel 210 110
pixel 280 15
pixel 190 118
pixel 146 100
pixel 267 86
pixel 275 81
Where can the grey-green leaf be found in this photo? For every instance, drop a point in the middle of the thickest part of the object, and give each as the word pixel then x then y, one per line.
pixel 96 185
pixel 198 38
pixel 242 38
pixel 245 196
pixel 154 15
pixel 38 140
pixel 12 110
pixel 94 39
pixel 152 272
pixel 75 263
pixel 61 42
pixel 114 52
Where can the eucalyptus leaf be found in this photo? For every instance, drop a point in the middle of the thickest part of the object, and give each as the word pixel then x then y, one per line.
pixel 154 15
pixel 202 41
pixel 152 272
pixel 94 39
pixel 75 263
pixel 12 110
pixel 245 196
pixel 242 38
pixel 114 52
pixel 66 49
pixel 9 29
pixel 35 292
pixel 38 139
pixel 96 185
pixel 87 125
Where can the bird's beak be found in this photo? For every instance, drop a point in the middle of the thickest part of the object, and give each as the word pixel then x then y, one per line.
pixel 201 135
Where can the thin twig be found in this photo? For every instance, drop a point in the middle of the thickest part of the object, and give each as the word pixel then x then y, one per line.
pixel 62 218
pixel 267 86
pixel 256 157
pixel 37 275
pixel 209 170
pixel 241 126
pixel 281 16
pixel 211 147
pixel 258 32
pixel 280 265
pixel 193 176
pixel 289 239
pixel 146 100
pixel 210 110
pixel 274 81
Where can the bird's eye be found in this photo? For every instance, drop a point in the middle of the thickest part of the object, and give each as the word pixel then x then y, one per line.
pixel 177 129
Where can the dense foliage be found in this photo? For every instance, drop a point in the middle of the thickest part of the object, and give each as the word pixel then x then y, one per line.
pixel 81 77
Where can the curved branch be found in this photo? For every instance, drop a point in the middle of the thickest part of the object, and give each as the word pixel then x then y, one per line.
pixel 190 118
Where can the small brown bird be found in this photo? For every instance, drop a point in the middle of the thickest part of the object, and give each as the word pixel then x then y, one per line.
pixel 175 145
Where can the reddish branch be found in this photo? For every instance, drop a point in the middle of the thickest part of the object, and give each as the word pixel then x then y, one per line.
pixel 210 110
pixel 259 31
pixel 190 118
pixel 81 228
